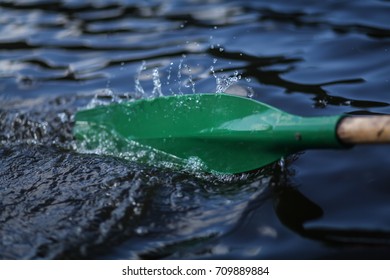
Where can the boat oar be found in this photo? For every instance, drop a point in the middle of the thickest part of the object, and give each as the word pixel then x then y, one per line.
pixel 228 134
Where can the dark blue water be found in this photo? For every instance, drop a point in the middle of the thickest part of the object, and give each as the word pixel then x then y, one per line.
pixel 304 57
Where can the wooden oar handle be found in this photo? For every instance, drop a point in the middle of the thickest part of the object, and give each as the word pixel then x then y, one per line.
pixel 364 130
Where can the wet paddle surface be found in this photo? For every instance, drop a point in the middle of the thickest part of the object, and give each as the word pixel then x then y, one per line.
pixel 306 58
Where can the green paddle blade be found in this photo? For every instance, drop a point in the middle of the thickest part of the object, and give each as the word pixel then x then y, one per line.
pixel 219 132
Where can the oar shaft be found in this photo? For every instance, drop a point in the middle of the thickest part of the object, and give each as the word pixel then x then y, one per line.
pixel 364 130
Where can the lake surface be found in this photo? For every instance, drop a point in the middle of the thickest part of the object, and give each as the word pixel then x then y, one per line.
pixel 309 58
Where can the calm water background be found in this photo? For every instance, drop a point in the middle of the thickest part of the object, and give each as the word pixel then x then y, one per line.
pixel 305 57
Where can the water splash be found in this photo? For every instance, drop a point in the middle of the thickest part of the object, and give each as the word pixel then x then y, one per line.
pixel 103 97
pixel 250 92
pixel 179 74
pixel 168 82
pixel 105 142
pixel 190 82
pixel 282 164
pixel 156 92
pixel 139 90
pixel 169 73
pixel 46 122
pixel 183 79
pixel 212 70
pixel 224 82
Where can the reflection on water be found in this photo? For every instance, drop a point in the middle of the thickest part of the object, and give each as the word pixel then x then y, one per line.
pixel 305 57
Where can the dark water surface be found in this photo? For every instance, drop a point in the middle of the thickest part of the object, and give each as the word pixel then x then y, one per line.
pixel 304 57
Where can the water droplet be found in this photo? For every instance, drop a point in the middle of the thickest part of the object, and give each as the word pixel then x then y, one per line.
pixel 137 210
pixel 156 92
pixel 169 73
pixel 139 91
pixel 103 97
pixel 195 164
pixel 282 164
pixel 190 82
pixel 63 117
pixel 213 72
pixel 179 75
pixel 141 230
pixel 251 92
pixel 224 82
